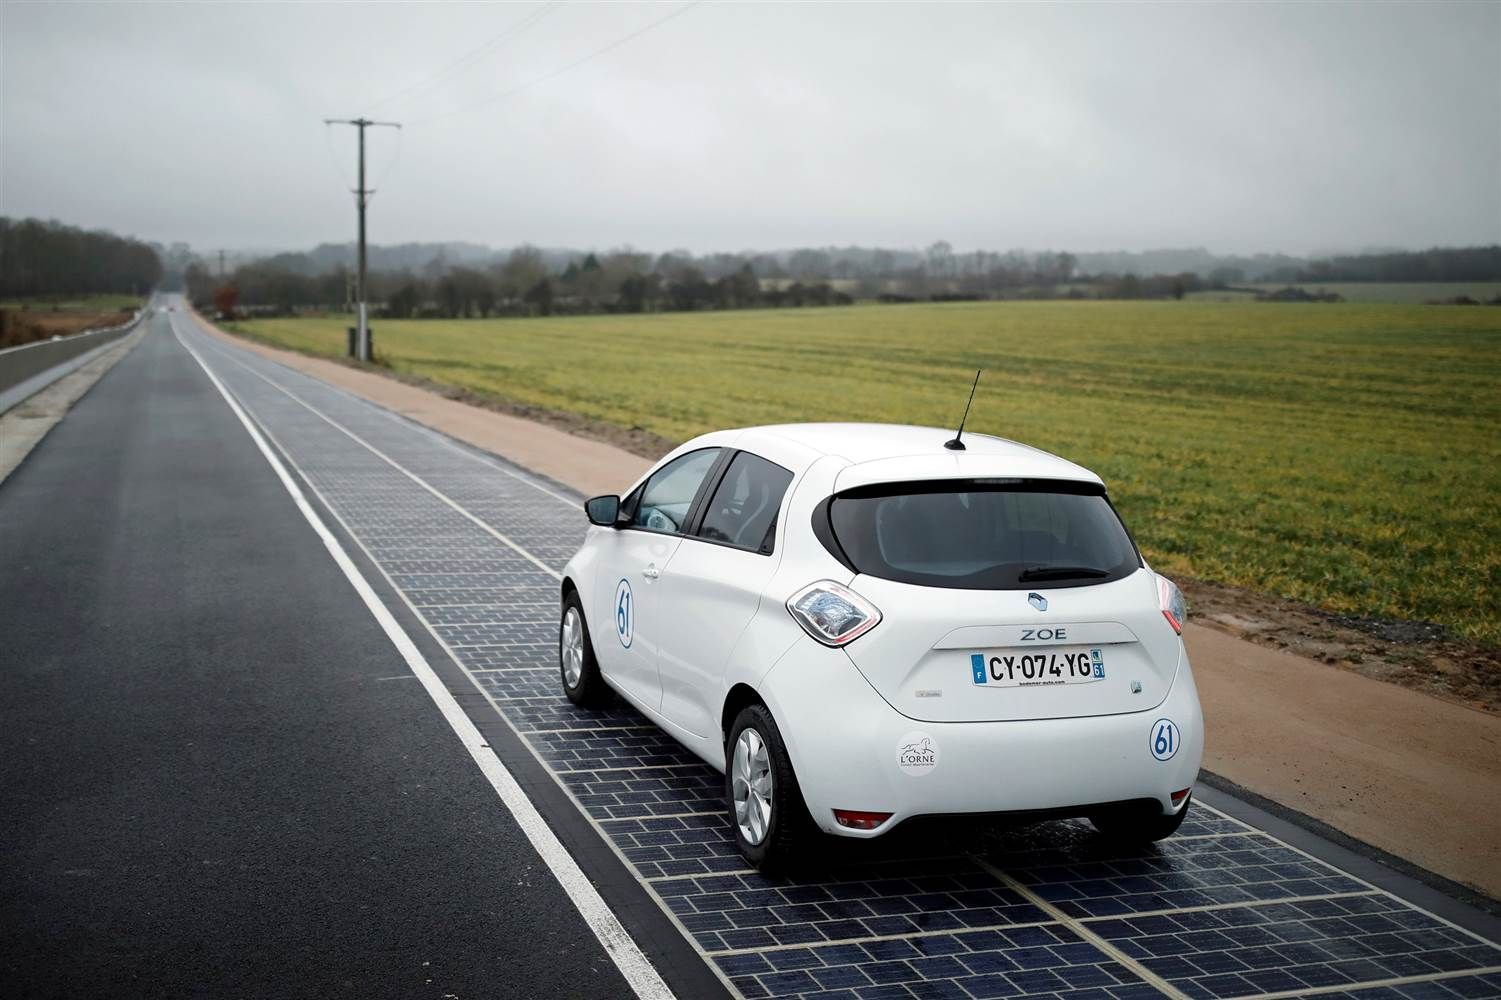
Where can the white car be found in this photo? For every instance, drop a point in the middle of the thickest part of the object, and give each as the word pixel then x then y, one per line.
pixel 861 624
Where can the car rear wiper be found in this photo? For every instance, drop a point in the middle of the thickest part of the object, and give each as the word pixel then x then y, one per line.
pixel 1060 573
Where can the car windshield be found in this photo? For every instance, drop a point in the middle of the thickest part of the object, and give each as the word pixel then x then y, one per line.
pixel 984 536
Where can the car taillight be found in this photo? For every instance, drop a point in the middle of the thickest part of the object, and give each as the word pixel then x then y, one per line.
pixel 1170 600
pixel 832 614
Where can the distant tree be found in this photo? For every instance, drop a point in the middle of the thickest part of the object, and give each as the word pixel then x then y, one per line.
pixel 225 298
pixel 745 287
pixel 1226 277
pixel 540 297
pixel 640 293
pixel 198 283
pixel 806 264
pixel 940 254
pixel 404 302
pixel 40 258
pixel 521 272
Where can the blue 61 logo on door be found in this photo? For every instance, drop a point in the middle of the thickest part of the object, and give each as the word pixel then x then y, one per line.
pixel 1165 739
pixel 625 613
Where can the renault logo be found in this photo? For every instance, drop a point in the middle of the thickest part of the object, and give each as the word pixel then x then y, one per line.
pixel 1037 601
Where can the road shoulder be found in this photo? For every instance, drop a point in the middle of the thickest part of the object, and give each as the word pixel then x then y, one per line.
pixel 1400 770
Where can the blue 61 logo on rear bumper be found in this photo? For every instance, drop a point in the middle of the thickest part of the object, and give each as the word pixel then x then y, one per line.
pixel 1064 666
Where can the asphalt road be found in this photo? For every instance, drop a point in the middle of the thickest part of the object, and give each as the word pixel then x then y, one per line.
pixel 218 776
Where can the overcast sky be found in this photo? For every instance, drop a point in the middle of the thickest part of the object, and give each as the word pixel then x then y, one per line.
pixel 735 126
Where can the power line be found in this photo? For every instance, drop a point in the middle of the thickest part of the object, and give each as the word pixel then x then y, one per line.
pixel 493 98
pixel 472 55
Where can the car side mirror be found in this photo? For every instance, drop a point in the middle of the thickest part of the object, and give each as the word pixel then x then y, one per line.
pixel 603 511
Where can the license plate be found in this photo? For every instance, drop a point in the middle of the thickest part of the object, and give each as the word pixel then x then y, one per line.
pixel 1038 667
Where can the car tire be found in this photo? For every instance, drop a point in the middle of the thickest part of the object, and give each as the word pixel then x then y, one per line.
pixel 787 831
pixel 1139 826
pixel 577 667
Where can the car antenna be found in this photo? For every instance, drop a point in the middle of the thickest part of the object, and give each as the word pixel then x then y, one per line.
pixel 956 444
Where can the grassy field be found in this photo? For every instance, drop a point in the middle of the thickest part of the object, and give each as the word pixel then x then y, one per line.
pixel 24 321
pixel 1345 455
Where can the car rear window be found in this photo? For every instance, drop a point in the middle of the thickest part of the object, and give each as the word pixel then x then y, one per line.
pixel 978 535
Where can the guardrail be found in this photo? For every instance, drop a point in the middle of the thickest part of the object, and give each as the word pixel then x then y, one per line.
pixel 17 364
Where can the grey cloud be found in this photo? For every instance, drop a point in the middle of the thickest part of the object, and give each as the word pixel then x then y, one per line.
pixel 1242 128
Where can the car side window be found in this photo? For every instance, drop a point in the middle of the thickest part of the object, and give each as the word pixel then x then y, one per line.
pixel 663 502
pixel 743 510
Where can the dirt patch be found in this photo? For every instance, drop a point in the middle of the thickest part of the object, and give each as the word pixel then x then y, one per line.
pixel 636 440
pixel 25 326
pixel 1422 656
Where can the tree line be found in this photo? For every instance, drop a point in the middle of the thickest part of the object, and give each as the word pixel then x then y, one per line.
pixel 523 284
pixel 532 281
pixel 41 259
pixel 1436 264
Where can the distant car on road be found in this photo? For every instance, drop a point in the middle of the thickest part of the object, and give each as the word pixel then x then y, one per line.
pixel 860 626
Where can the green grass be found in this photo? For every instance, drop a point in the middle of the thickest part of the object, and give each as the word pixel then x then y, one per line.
pixel 1345 455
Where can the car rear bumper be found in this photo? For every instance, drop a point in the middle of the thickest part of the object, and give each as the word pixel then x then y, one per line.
pixel 853 751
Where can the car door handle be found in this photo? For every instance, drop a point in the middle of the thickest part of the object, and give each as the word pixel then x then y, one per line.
pixel 650 572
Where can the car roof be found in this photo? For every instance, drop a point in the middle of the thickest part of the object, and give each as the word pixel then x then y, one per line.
pixel 903 452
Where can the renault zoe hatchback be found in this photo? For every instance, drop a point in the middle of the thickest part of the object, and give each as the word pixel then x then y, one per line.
pixel 859 624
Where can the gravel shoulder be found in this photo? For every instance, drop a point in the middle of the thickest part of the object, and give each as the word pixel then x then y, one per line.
pixel 1385 731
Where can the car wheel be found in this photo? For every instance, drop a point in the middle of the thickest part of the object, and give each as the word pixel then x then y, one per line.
pixel 771 823
pixel 1138 825
pixel 582 682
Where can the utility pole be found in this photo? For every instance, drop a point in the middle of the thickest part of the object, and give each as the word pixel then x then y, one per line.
pixel 361 199
pixel 221 265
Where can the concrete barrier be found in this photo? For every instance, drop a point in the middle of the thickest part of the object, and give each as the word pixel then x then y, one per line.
pixel 28 361
pixel 17 364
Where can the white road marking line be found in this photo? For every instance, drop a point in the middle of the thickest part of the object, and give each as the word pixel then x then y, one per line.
pixel 679 878
pixel 1165 987
pixel 634 966
pixel 587 729
pixel 500 713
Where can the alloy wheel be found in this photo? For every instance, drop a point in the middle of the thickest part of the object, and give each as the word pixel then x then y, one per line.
pixel 573 648
pixel 752 786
